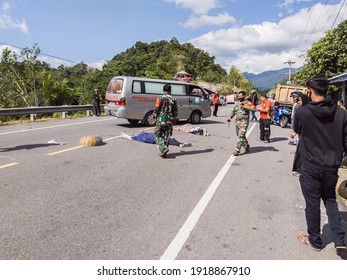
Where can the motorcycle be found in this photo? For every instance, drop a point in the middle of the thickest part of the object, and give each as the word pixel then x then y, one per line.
pixel 281 115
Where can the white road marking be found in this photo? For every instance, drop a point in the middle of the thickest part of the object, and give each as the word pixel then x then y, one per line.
pixel 177 243
pixel 61 125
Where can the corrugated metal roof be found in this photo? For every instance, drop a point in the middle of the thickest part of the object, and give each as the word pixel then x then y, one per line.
pixel 340 79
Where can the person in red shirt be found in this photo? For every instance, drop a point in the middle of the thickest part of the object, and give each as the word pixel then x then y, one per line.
pixel 265 116
pixel 215 103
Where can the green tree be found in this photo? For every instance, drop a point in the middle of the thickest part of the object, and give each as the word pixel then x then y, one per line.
pixel 235 79
pixel 56 93
pixel 327 57
pixel 20 77
pixel 162 59
pixel 13 87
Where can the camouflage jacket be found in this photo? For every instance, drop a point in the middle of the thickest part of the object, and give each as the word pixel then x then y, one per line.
pixel 242 113
pixel 165 109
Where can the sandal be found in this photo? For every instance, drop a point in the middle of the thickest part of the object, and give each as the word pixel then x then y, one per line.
pixel 235 153
pixel 164 153
pixel 303 238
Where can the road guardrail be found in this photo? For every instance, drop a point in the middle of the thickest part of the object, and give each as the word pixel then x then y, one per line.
pixel 33 111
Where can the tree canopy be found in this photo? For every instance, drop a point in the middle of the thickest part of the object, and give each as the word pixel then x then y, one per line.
pixel 162 59
pixel 327 57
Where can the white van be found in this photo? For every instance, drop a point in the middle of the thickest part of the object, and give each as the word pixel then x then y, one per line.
pixel 134 98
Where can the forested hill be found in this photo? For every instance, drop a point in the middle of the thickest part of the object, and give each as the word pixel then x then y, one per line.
pixel 25 81
pixel 268 79
pixel 162 59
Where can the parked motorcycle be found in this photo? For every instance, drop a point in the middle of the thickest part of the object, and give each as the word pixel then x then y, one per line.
pixel 281 115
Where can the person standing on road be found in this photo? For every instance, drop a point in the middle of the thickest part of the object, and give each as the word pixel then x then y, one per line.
pixel 264 120
pixel 241 111
pixel 165 113
pixel 303 99
pixel 254 100
pixel 295 96
pixel 322 128
pixel 215 101
pixel 96 103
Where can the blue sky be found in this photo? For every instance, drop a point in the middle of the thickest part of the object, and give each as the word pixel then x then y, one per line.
pixel 253 35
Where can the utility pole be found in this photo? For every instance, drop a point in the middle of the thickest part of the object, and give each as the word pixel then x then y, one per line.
pixel 290 63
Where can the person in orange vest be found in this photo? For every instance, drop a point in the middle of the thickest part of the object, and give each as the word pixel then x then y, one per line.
pixel 215 103
pixel 264 108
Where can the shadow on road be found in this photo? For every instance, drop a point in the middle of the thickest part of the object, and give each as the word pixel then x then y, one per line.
pixel 278 139
pixel 259 149
pixel 180 122
pixel 187 153
pixel 26 147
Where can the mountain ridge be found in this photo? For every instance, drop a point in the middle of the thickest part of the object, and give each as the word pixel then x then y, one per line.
pixel 268 79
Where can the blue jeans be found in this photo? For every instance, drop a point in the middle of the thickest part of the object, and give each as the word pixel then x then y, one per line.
pixel 254 117
pixel 317 184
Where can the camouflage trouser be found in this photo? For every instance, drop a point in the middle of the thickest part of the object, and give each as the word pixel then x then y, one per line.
pixel 241 130
pixel 162 136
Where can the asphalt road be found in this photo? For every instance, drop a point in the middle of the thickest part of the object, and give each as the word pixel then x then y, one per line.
pixel 122 201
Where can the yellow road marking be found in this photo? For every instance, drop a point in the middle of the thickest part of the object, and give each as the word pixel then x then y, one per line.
pixel 108 139
pixel 8 165
pixel 145 129
pixel 63 151
pixel 116 137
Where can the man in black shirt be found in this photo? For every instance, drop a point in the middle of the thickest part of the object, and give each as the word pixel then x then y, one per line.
pixel 322 128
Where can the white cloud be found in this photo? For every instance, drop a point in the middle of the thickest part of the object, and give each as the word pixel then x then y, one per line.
pixel 266 46
pixel 199 7
pixel 6 21
pixel 287 3
pixel 220 19
pixel 98 64
pixel 6 6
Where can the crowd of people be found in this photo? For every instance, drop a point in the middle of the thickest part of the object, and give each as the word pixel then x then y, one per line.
pixel 315 118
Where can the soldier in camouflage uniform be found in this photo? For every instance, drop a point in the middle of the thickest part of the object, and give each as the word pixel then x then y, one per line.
pixel 165 112
pixel 241 111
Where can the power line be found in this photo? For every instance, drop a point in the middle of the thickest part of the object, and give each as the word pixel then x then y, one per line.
pixel 41 54
pixel 309 18
pixel 303 51
pixel 318 19
pixel 338 13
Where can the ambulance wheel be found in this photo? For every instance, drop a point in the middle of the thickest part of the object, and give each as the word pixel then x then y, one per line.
pixel 149 119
